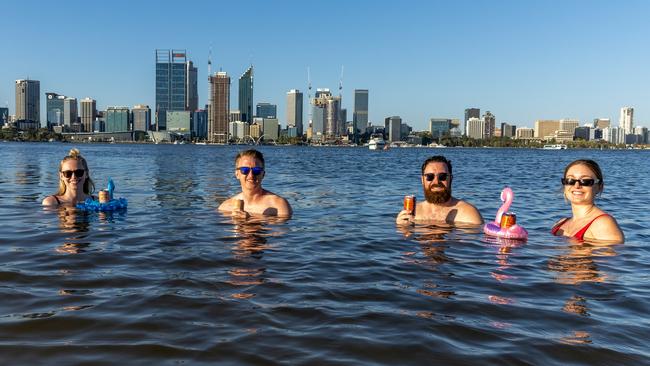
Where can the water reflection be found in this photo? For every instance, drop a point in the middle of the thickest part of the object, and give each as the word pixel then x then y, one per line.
pixel 577 264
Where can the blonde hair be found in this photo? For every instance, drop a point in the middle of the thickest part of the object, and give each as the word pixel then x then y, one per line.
pixel 89 186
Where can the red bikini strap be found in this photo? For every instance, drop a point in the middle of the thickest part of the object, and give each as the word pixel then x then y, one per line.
pixel 581 234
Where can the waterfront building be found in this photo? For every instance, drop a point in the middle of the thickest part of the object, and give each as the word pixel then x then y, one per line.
pixel 326 114
pixel 614 135
pixel 266 110
pixel 641 131
pixel 569 125
pixel 219 111
pixel 4 116
pixel 141 117
pixel 626 120
pixel 318 120
pixel 294 111
pixel 393 127
pixel 523 133
pixel 439 127
pixel 601 123
pixel 88 113
pixel 70 111
pixel 117 119
pixel 343 121
pixel 583 133
pixel 333 118
pixel 54 109
pixel 239 130
pixel 471 113
pixel 200 124
pixel 191 87
pixel 179 123
pixel 405 130
pixel 255 130
pixel 28 103
pixel 269 128
pixel 176 86
pixel 475 128
pixel 360 113
pixel 310 132
pixel 246 95
pixel 490 124
pixel 508 130
pixel 546 127
pixel 235 115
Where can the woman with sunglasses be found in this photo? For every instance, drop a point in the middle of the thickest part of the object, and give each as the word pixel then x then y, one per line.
pixel 583 181
pixel 75 184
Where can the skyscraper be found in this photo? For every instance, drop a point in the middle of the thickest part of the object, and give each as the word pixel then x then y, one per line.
pixel 360 113
pixel 326 114
pixel 54 109
pixel 601 123
pixel 393 127
pixel 626 121
pixel 475 128
pixel 191 88
pixel 219 111
pixel 266 110
pixel 471 113
pixel 545 128
pixel 172 84
pixel 88 113
pixel 294 110
pixel 28 102
pixel 70 111
pixel 490 124
pixel 439 127
pixel 141 117
pixel 246 95
pixel 117 119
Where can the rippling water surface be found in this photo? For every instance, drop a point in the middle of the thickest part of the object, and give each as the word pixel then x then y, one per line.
pixel 172 281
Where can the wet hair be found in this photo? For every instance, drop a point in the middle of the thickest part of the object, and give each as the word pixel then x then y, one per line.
pixel 437 159
pixel 89 186
pixel 592 165
pixel 251 153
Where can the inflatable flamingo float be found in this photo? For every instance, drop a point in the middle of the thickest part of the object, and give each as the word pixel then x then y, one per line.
pixel 504 225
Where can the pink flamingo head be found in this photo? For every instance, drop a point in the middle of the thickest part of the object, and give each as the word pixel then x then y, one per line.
pixel 507 196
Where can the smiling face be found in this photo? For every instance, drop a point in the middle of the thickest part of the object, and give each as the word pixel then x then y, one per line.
pixel 72 181
pixel 249 181
pixel 577 193
pixel 436 190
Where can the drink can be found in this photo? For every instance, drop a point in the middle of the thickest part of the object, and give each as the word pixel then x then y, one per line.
pixel 508 219
pixel 239 205
pixel 409 203
pixel 104 196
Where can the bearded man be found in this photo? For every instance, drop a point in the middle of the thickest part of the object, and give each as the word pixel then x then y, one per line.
pixel 440 205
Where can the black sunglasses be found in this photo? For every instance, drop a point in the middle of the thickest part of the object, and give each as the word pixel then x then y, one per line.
pixel 77 173
pixel 441 177
pixel 257 170
pixel 585 182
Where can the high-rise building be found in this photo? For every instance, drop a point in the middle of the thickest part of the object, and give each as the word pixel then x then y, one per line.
pixel 117 119
pixel 393 126
pixel 269 128
pixel 141 117
pixel 88 113
pixel 200 124
pixel 246 95
pixel 70 111
pixel 475 128
pixel 508 130
pixel 172 84
pixel 471 113
pixel 294 110
pixel 490 124
pixel 4 116
pixel 626 121
pixel 546 127
pixel 179 123
pixel 219 110
pixel 266 110
pixel 326 115
pixel 569 125
pixel 191 87
pixel 54 109
pixel 360 113
pixel 439 127
pixel 582 133
pixel 332 117
pixel 601 123
pixel 524 133
pixel 28 102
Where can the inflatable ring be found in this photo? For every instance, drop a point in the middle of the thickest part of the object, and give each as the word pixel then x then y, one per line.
pixel 94 205
pixel 504 225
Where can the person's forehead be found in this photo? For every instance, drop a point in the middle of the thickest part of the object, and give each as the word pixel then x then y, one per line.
pixel 436 167
pixel 72 163
pixel 580 170
pixel 248 161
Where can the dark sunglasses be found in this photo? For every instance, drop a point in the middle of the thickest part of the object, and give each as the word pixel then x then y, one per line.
pixel 77 173
pixel 585 182
pixel 441 177
pixel 257 170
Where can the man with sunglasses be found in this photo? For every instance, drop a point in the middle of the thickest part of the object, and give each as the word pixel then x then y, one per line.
pixel 440 205
pixel 253 199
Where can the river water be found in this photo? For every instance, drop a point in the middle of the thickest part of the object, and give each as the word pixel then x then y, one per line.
pixel 171 281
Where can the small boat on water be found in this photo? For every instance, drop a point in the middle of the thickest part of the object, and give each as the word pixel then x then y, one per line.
pixel 554 147
pixel 376 143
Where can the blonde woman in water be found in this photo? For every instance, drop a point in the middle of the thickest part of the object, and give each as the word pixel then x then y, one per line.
pixel 75 184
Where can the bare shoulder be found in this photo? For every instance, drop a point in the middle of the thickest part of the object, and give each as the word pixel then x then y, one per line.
pixel 279 203
pixel 606 228
pixel 49 201
pixel 468 213
pixel 227 204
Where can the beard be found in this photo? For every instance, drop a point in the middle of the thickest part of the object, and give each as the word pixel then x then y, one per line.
pixel 437 197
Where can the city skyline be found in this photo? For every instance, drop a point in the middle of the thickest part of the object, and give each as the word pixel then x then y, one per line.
pixel 525 62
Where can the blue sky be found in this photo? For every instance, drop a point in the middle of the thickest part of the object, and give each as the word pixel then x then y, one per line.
pixel 522 60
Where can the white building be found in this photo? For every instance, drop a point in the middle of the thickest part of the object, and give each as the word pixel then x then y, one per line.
pixel 626 121
pixel 475 128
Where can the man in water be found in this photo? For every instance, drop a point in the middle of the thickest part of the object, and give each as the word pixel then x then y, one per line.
pixel 253 199
pixel 440 205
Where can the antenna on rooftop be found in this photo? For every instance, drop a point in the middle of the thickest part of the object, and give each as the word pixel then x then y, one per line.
pixel 341 82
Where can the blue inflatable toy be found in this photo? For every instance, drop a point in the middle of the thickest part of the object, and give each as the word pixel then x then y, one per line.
pixel 111 204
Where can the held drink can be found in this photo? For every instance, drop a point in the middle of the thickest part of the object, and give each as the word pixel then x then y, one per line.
pixel 239 205
pixel 508 219
pixel 104 196
pixel 409 204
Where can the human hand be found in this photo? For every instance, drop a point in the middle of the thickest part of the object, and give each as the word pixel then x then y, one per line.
pixel 404 218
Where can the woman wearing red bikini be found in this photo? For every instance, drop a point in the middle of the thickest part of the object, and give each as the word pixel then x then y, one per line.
pixel 75 184
pixel 582 181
